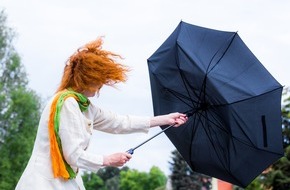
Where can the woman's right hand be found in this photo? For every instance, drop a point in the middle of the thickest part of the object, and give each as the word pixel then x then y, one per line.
pixel 117 159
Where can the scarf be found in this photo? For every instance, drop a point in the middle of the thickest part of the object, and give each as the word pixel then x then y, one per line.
pixel 60 167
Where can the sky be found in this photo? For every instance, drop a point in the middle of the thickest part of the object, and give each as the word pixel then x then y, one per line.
pixel 48 32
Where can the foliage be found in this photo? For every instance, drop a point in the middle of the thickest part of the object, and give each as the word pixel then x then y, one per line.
pixel 108 172
pixel 255 185
pixel 92 181
pixel 183 177
pixel 278 178
pixel 133 180
pixel 286 117
pixel 112 178
pixel 19 111
pixel 156 178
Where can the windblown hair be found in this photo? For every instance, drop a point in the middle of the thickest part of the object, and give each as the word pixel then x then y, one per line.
pixel 91 66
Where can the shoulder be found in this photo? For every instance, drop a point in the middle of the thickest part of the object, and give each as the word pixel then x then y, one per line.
pixel 70 100
pixel 70 104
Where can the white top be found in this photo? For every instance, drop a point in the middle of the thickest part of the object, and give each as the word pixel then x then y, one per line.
pixel 75 132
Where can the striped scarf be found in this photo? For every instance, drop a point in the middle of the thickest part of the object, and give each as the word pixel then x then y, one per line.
pixel 60 167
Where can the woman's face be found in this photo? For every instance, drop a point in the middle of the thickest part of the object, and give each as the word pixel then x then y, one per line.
pixel 94 92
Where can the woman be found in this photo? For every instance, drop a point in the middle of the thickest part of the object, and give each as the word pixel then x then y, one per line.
pixel 67 122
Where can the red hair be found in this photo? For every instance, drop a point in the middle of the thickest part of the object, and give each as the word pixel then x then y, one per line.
pixel 92 66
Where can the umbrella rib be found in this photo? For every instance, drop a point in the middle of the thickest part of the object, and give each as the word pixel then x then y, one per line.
pixel 180 96
pixel 238 139
pixel 198 116
pixel 193 132
pixel 251 144
pixel 211 141
pixel 210 138
pixel 206 129
pixel 203 85
pixel 184 79
pixel 252 97
pixel 211 61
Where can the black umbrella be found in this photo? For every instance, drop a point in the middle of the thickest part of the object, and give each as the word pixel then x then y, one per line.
pixel 235 129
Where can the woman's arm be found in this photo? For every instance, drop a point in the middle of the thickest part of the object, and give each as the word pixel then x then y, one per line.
pixel 176 119
pixel 110 122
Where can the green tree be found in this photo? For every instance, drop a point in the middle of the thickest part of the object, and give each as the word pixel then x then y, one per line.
pixel 113 178
pixel 93 181
pixel 183 178
pixel 108 172
pixel 107 178
pixel 286 117
pixel 278 177
pixel 19 111
pixel 113 183
pixel 135 180
pixel 156 178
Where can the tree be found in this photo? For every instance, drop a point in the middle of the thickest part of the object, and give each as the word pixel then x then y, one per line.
pixel 113 178
pixel 183 178
pixel 109 172
pixel 156 178
pixel 135 180
pixel 286 117
pixel 106 178
pixel 19 111
pixel 93 181
pixel 278 177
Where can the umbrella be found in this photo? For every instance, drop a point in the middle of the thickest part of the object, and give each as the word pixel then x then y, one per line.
pixel 234 132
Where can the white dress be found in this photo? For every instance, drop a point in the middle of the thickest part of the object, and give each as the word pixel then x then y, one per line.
pixel 75 132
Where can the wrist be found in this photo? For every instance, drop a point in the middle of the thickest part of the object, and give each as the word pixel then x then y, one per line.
pixel 106 161
pixel 158 121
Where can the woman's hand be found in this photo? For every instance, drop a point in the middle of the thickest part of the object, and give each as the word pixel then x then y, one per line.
pixel 117 159
pixel 175 119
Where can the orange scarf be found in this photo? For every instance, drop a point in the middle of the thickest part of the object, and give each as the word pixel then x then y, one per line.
pixel 60 167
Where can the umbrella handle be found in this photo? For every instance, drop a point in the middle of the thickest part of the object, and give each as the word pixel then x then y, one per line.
pixel 130 151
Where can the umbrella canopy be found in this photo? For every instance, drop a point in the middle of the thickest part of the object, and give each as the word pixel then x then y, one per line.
pixel 234 131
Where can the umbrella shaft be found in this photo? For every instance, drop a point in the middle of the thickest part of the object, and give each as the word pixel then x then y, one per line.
pixel 132 149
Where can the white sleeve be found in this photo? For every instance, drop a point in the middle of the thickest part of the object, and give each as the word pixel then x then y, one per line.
pixel 75 138
pixel 110 122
